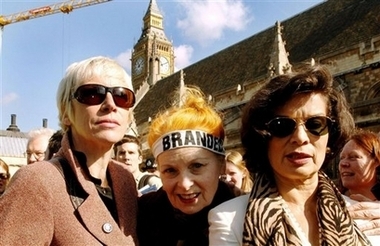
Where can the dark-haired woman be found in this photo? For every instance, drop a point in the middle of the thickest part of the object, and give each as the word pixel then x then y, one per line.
pixel 291 127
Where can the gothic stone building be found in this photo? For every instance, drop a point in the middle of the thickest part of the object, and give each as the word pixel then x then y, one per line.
pixel 344 35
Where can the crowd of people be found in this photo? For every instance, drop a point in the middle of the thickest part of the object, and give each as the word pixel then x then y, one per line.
pixel 85 185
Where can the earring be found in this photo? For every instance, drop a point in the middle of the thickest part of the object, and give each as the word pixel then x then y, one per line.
pixel 328 150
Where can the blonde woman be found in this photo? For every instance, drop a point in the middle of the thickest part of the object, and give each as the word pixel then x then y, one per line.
pixel 236 171
pixel 94 102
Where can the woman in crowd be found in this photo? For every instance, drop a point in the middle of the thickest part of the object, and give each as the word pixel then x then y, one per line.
pixel 187 143
pixel 236 172
pixel 291 127
pixel 359 165
pixel 81 197
pixel 4 176
pixel 359 169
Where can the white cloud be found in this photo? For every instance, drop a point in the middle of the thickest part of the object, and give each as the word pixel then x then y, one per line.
pixel 8 98
pixel 183 54
pixel 124 59
pixel 206 21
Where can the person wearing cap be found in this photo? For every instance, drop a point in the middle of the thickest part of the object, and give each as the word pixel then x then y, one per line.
pixel 187 143
pixel 81 196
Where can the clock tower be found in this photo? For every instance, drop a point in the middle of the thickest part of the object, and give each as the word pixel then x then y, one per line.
pixel 152 55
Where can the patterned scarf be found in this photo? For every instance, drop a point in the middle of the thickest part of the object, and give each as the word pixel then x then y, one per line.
pixel 266 222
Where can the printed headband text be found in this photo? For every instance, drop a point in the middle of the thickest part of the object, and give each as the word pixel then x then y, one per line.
pixel 188 138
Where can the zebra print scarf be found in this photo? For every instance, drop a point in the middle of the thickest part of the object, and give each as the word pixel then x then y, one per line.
pixel 266 223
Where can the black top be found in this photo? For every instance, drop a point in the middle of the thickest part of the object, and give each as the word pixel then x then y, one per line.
pixel 105 193
pixel 159 224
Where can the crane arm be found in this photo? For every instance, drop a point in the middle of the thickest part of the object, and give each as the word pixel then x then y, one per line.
pixel 64 7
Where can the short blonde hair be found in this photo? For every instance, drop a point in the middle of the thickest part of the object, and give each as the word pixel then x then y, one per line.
pixel 190 110
pixel 82 71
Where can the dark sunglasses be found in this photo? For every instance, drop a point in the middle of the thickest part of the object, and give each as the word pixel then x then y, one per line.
pixel 284 126
pixel 94 94
pixel 3 176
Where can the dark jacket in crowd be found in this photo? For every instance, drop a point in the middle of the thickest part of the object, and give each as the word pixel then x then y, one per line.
pixel 159 224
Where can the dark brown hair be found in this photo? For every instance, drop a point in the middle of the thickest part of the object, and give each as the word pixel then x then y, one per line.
pixel 128 139
pixel 276 93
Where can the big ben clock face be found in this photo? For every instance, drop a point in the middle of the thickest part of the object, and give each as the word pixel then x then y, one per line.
pixel 139 65
pixel 164 65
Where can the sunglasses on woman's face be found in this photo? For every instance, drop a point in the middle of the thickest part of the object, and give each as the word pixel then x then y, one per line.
pixel 3 176
pixel 94 94
pixel 284 126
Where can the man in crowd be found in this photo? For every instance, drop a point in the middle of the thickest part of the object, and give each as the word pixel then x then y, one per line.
pixel 128 151
pixel 37 144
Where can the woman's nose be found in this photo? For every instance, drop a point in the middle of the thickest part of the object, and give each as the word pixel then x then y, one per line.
pixel 108 102
pixel 185 181
pixel 300 135
pixel 344 163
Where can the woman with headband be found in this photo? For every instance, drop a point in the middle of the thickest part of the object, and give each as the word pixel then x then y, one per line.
pixel 81 196
pixel 187 143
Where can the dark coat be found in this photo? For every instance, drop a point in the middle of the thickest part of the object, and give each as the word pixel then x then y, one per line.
pixel 159 224
pixel 36 208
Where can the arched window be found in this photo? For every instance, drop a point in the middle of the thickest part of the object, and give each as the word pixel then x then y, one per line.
pixel 373 92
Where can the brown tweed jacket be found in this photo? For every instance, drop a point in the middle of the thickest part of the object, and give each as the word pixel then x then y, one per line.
pixel 36 208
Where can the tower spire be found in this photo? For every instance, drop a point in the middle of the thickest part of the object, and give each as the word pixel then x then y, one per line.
pixel 153 9
pixel 279 63
pixel 153 22
pixel 153 54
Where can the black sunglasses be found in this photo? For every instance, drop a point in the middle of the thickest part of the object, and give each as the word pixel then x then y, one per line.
pixel 284 126
pixel 94 94
pixel 3 176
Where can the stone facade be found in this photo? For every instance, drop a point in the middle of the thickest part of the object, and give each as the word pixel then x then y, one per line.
pixel 342 35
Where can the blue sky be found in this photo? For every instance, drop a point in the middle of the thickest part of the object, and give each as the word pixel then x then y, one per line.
pixel 35 53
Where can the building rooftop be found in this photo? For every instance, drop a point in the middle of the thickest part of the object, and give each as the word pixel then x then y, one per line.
pixel 13 144
pixel 331 26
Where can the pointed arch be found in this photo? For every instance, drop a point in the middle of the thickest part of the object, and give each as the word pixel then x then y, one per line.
pixel 373 91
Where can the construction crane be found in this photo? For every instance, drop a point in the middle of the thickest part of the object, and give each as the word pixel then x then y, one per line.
pixel 64 7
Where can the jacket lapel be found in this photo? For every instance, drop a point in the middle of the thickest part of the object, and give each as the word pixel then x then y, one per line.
pixel 125 194
pixel 98 220
pixel 92 212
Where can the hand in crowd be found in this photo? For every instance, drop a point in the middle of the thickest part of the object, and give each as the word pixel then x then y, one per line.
pixel 368 210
